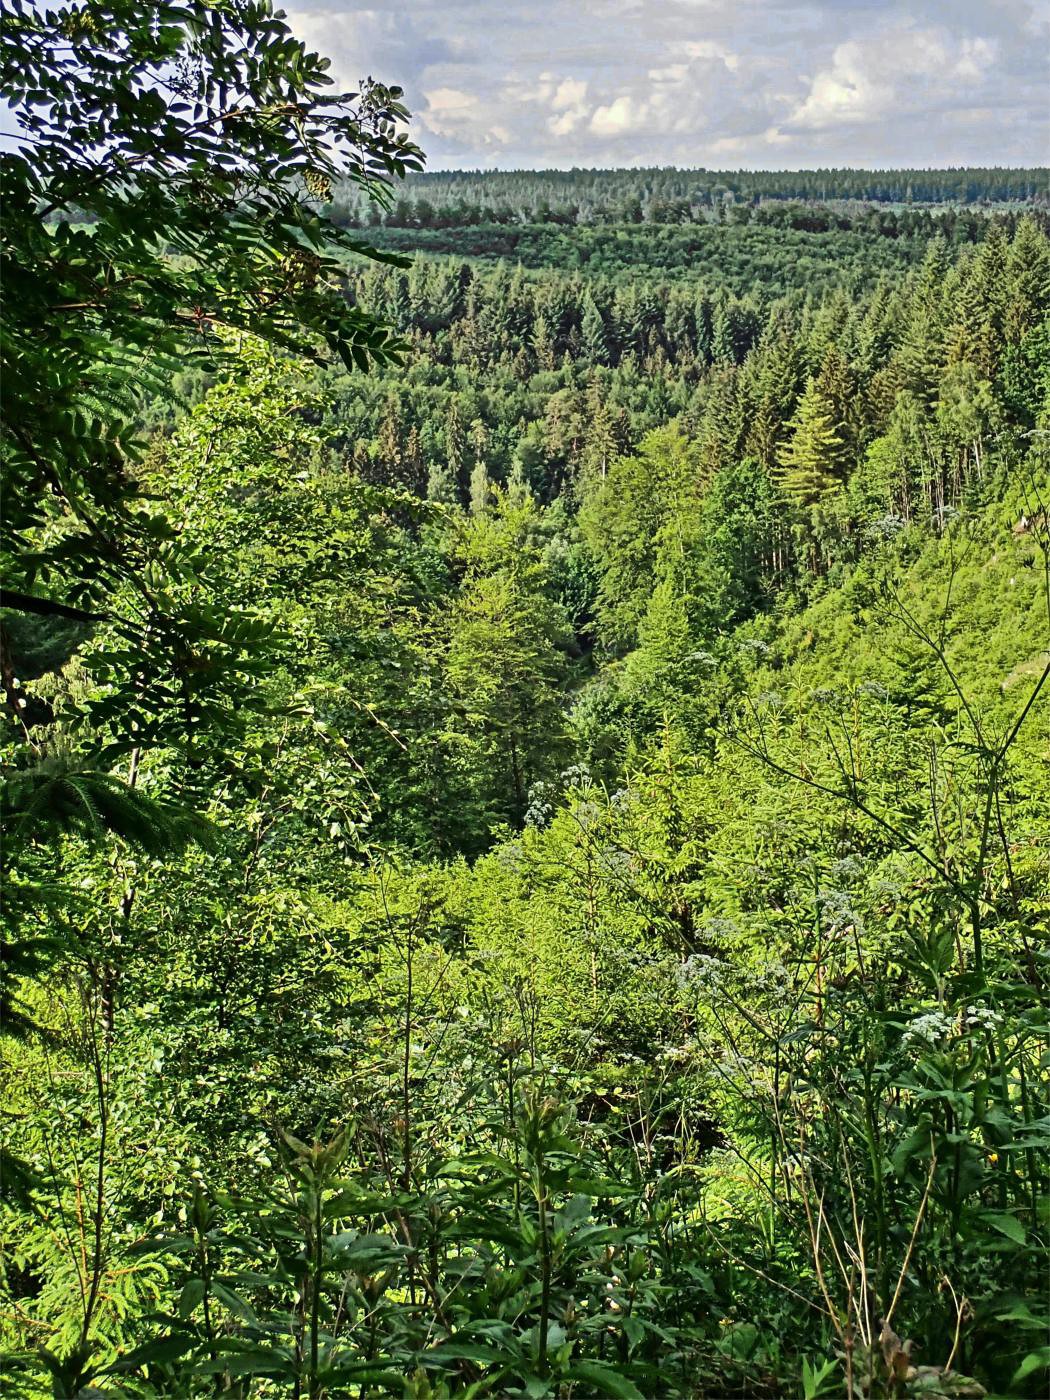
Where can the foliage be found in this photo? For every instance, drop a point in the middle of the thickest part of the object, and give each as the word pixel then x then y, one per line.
pixel 529 877
pixel 162 187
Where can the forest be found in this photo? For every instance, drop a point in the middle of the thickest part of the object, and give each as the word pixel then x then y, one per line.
pixel 526 754
pixel 457 198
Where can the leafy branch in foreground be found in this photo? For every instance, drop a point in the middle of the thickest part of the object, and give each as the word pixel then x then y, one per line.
pixel 163 184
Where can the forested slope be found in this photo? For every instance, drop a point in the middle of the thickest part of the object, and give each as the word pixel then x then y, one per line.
pixel 528 875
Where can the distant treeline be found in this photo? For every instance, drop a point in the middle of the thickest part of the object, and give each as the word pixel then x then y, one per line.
pixel 787 245
pixel 455 198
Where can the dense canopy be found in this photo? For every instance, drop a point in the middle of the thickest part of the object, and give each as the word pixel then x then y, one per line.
pixel 526 794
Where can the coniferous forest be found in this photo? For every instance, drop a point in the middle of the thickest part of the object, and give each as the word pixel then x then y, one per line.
pixel 527 720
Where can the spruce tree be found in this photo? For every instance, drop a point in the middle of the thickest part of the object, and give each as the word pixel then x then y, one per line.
pixel 542 344
pixel 592 333
pixel 1028 267
pixel 441 485
pixel 480 488
pixel 414 468
pixel 455 445
pixel 813 460
pixel 600 444
pixel 390 454
pixel 703 316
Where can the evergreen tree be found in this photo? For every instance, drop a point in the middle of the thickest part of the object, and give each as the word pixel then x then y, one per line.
pixel 442 487
pixel 415 467
pixel 507 661
pixel 389 446
pixel 599 441
pixel 1028 268
pixel 814 460
pixel 592 333
pixel 723 333
pixel 837 383
pixel 455 441
pixel 542 344
pixel 703 316
pixel 480 488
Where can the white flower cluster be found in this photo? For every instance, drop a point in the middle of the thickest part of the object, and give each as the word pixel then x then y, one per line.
pixel 541 805
pixel 773 983
pixel 838 911
pixel 704 659
pixel 886 527
pixel 577 775
pixel 930 1028
pixel 699 970
pixel 830 697
pixel 719 929
pixel 847 868
pixel 875 690
pixel 982 1017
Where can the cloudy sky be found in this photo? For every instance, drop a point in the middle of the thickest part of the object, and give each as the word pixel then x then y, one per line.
pixel 718 83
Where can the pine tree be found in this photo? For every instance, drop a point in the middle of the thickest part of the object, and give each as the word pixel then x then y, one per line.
pixel 877 331
pixel 1028 269
pixel 720 436
pixel 625 319
pixel 415 468
pixel 838 384
pixel 600 444
pixel 964 333
pixel 506 658
pixel 703 317
pixel 776 391
pixel 479 440
pixel 723 339
pixel 920 358
pixel 399 306
pixel 827 327
pixel 519 492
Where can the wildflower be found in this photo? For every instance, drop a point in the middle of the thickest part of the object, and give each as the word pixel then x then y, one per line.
pixel 982 1017
pixel 875 689
pixel 846 869
pixel 827 695
pixel 930 1028
pixel 838 911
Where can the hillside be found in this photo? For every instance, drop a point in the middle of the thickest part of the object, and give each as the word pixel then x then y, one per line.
pixel 526 758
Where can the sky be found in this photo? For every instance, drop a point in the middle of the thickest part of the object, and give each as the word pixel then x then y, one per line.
pixel 761 84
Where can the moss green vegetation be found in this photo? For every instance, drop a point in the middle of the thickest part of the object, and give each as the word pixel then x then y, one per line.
pixel 528 871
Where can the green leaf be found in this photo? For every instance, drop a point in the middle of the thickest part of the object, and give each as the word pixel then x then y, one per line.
pixel 1038 1360
pixel 190 1296
pixel 604 1379
pixel 1007 1225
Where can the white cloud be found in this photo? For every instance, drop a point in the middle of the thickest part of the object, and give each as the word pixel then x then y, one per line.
pixel 569 94
pixel 569 105
pixel 707 48
pixel 704 82
pixel 904 69
pixel 620 116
